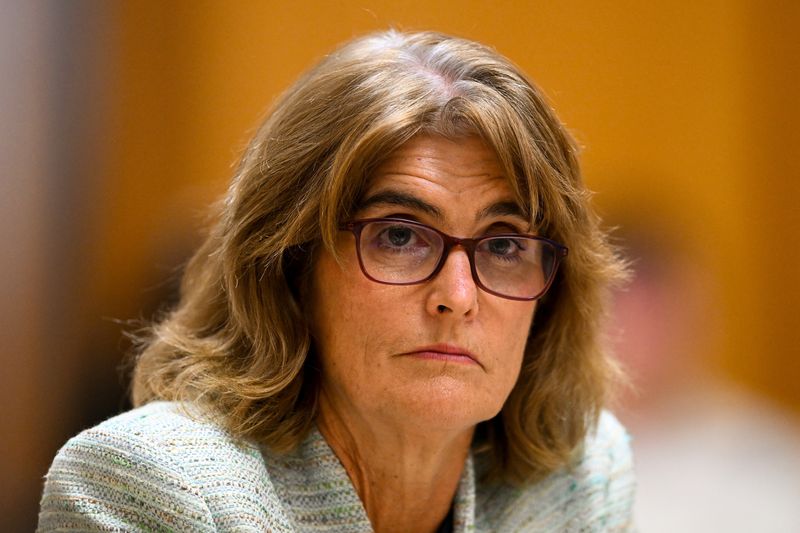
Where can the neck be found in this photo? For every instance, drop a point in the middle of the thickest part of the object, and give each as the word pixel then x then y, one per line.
pixel 406 477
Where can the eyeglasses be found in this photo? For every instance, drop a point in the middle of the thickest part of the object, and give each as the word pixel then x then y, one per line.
pixel 396 251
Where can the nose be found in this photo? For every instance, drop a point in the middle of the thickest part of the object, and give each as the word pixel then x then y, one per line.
pixel 453 291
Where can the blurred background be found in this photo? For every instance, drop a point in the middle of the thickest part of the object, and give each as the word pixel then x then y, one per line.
pixel 121 121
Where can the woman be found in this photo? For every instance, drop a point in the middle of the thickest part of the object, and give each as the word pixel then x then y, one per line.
pixel 393 326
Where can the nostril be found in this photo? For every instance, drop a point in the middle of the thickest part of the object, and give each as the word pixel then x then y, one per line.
pixel 441 308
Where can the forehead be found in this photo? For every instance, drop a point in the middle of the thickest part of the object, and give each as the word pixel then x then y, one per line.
pixel 462 173
pixel 435 157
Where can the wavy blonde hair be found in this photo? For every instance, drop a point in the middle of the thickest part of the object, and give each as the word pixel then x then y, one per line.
pixel 238 341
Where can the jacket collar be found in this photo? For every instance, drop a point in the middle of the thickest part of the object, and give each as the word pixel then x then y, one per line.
pixel 314 486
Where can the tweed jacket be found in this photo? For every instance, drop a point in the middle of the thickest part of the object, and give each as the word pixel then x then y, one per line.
pixel 157 469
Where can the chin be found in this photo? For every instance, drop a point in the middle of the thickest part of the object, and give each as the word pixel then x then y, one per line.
pixel 449 404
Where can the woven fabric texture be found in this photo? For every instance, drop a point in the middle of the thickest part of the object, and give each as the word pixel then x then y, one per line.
pixel 159 468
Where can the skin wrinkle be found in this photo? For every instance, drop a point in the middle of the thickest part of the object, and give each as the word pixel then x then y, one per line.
pixel 392 197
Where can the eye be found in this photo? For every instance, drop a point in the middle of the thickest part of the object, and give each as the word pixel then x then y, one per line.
pixel 503 246
pixel 398 235
pixel 500 246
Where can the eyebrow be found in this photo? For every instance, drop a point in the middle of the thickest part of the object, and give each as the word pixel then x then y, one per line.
pixel 401 199
pixel 502 209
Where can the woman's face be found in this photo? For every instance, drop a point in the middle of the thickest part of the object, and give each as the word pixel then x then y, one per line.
pixel 442 354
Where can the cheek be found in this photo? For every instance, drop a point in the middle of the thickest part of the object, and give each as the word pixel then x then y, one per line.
pixel 515 320
pixel 516 323
pixel 332 311
pixel 348 317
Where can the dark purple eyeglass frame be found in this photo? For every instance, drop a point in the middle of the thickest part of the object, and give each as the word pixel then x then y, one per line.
pixel 469 245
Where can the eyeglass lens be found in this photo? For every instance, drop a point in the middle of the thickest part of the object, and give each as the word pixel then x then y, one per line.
pixel 394 252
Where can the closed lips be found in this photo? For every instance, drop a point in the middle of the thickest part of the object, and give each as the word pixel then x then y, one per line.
pixel 444 352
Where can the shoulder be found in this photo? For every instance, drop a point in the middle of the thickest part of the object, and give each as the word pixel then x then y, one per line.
pixel 159 467
pixel 594 493
pixel 604 476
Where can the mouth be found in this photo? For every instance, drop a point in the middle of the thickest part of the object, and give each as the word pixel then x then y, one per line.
pixel 445 352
